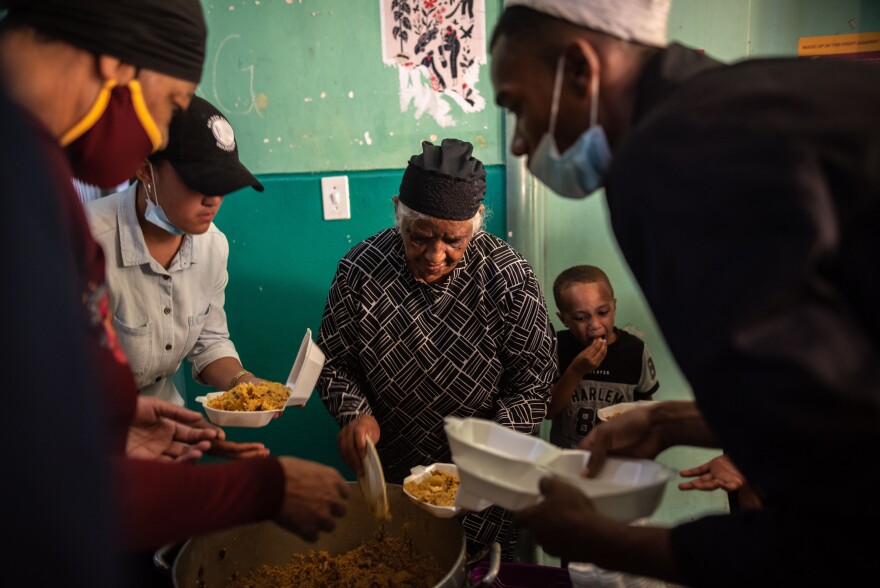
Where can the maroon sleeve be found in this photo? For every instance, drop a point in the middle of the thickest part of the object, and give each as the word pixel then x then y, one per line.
pixel 164 502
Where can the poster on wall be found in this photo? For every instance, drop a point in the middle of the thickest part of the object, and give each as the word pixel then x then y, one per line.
pixel 438 47
pixel 856 46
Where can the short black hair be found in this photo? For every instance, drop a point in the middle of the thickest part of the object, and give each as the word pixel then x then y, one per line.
pixel 579 274
pixel 546 36
pixel 166 36
pixel 527 26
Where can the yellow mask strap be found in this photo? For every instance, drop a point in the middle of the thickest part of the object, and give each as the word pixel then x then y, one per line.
pixel 97 110
pixel 143 114
pixel 89 120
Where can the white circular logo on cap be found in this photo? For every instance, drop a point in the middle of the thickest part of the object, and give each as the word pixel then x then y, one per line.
pixel 222 132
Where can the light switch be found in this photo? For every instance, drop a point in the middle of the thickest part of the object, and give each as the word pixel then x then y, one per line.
pixel 334 193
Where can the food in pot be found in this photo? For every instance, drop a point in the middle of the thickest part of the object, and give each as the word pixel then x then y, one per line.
pixel 438 489
pixel 248 396
pixel 385 561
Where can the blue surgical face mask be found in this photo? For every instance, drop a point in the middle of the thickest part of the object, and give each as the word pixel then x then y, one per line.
pixel 154 212
pixel 582 168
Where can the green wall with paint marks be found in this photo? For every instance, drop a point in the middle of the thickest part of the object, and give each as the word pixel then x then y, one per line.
pixel 305 87
pixel 777 25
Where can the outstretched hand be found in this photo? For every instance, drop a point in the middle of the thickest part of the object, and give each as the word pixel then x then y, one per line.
pixel 718 472
pixel 163 431
pixel 234 450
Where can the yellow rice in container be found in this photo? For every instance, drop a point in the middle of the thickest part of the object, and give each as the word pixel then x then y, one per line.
pixel 248 396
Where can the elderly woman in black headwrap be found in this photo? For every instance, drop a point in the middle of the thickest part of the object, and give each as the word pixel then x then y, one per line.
pixel 431 318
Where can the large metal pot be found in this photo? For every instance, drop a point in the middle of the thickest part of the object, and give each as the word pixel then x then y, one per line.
pixel 208 561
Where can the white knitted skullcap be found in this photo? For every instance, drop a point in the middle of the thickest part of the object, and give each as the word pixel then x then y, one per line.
pixel 640 21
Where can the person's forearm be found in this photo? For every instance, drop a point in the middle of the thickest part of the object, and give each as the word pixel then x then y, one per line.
pixel 162 502
pixel 523 402
pixel 682 423
pixel 225 373
pixel 643 551
pixel 340 392
pixel 562 390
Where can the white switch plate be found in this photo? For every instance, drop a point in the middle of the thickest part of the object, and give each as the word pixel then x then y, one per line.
pixel 334 193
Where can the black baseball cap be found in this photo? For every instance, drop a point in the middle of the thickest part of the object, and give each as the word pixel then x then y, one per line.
pixel 203 151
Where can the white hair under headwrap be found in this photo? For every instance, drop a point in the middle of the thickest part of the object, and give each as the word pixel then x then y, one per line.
pixel 640 21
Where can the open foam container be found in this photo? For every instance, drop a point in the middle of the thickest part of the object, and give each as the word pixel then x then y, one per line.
pixel 302 380
pixel 500 466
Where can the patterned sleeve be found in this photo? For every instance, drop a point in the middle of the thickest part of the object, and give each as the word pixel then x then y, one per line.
pixel 648 384
pixel 529 356
pixel 340 381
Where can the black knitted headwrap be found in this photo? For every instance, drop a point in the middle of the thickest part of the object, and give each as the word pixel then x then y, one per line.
pixel 444 182
pixel 167 36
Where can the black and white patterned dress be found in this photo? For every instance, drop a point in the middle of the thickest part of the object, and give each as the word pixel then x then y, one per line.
pixel 478 344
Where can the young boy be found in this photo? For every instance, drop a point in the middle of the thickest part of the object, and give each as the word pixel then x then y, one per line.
pixel 599 364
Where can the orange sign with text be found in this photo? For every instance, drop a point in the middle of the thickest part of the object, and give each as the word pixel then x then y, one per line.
pixel 859 46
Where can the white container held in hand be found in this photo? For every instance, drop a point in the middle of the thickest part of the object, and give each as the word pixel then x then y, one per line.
pixel 302 381
pixel 504 467
pixel 305 371
pixel 419 474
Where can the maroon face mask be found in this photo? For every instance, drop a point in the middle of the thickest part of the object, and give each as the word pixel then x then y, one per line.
pixel 111 142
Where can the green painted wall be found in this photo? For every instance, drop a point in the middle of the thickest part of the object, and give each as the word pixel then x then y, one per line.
pixel 776 25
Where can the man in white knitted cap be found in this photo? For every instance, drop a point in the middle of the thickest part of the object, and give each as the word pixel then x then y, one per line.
pixel 747 197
